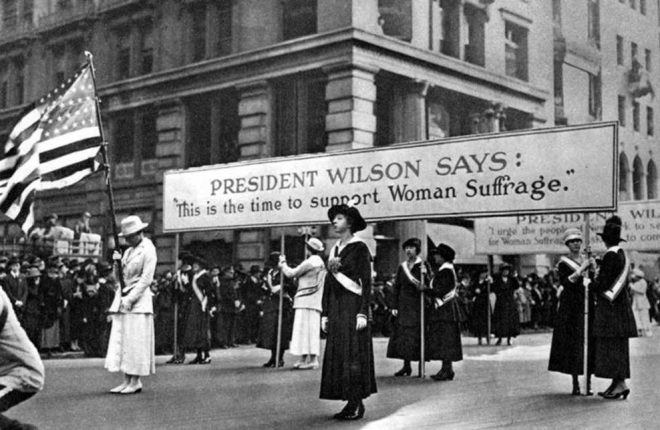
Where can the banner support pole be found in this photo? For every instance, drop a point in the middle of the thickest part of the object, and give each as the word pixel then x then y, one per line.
pixel 488 311
pixel 175 296
pixel 586 281
pixel 279 310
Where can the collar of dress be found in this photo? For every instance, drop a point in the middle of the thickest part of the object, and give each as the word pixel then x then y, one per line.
pixel 339 247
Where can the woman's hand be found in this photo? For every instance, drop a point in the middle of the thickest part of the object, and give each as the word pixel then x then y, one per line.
pixel 125 305
pixel 116 255
pixel 361 322
pixel 324 324
pixel 395 312
pixel 282 261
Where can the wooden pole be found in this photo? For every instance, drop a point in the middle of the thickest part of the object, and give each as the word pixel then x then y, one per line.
pixel 586 281
pixel 422 326
pixel 488 311
pixel 279 310
pixel 175 347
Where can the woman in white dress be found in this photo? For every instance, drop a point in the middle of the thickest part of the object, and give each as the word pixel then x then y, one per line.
pixel 305 339
pixel 640 303
pixel 131 343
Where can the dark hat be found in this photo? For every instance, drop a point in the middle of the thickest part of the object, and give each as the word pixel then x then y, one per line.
pixel 612 230
pixel 273 259
pixel 412 242
pixel 254 269
pixel 104 267
pixel 32 272
pixel 52 265
pixel 13 261
pixel 3 258
pixel 357 222
pixel 505 266
pixel 73 263
pixel 446 252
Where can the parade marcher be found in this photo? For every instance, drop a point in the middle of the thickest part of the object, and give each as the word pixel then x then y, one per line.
pixel 66 282
pixel 522 298
pixel 131 343
pixel 164 313
pixel 51 293
pixel 15 286
pixel 640 303
pixel 197 335
pixel 94 319
pixel 614 322
pixel 268 326
pixel 251 294
pixel 445 316
pixel 480 304
pixel 21 369
pixel 348 364
pixel 182 299
pixel 405 340
pixel 506 321
pixel 567 348
pixel 305 338
pixel 75 314
pixel 227 307
pixel 33 315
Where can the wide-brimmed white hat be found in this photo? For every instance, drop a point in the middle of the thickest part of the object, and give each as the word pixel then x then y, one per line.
pixel 315 244
pixel 637 272
pixel 132 224
pixel 572 234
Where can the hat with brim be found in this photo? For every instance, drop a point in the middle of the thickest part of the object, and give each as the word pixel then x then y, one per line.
pixel 132 224
pixel 33 272
pixel 446 252
pixel 315 244
pixel 413 242
pixel 612 230
pixel 572 234
pixel 638 273
pixel 273 259
pixel 357 222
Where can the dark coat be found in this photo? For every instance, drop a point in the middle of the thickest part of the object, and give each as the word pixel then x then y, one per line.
pixel 348 364
pixel 405 340
pixel 270 309
pixel 197 333
pixel 567 348
pixel 444 332
pixel 479 314
pixel 53 300
pixel 613 319
pixel 506 322
pixel 16 289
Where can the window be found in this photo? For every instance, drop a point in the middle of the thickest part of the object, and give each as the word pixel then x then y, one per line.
pixel 123 142
pixel 224 30
pixel 123 54
pixel 198 29
pixel 633 53
pixel 595 101
pixel 28 10
pixel 199 131
pixel 556 12
pixel 624 172
pixel 450 43
pixel 642 7
pixel 9 14
pixel 146 49
pixel 651 181
pixel 622 111
pixel 396 18
pixel 299 18
pixel 149 134
pixel 593 24
pixel 19 84
pixel 636 116
pixel 619 50
pixel 515 51
pixel 647 59
pixel 59 64
pixel 633 4
pixel 476 25
pixel 638 179
pixel 649 121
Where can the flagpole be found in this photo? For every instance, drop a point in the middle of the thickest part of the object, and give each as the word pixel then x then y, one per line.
pixel 106 165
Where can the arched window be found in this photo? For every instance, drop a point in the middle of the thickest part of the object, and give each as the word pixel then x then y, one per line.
pixel 651 181
pixel 638 179
pixel 624 171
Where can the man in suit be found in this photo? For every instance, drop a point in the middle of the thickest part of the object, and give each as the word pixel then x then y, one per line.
pixel 15 286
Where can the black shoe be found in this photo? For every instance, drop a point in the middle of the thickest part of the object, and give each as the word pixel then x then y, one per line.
pixel 171 360
pixel 205 360
pixel 345 411
pixel 443 375
pixel 354 414
pixel 499 341
pixel 576 390
pixel 621 394
pixel 197 360
pixel 269 363
pixel 280 363
pixel 404 371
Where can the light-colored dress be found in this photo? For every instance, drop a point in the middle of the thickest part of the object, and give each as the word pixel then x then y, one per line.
pixel 641 306
pixel 305 338
pixel 131 345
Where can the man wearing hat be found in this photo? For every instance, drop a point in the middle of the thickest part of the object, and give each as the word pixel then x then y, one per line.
pixel 444 332
pixel 405 342
pixel 51 292
pixel 34 309
pixel 131 343
pixel 567 348
pixel 15 286
pixel 305 339
pixel 614 322
pixel 348 364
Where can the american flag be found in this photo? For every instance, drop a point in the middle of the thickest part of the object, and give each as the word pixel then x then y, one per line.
pixel 54 144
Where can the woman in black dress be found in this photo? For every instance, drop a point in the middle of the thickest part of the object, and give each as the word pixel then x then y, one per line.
pixel 197 335
pixel 348 364
pixel 567 349
pixel 405 340
pixel 445 317
pixel 480 304
pixel 506 322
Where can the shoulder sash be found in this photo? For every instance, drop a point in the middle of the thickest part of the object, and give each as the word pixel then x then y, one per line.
pixel 440 301
pixel 408 273
pixel 613 292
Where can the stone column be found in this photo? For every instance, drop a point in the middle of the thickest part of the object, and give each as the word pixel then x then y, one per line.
pixel 410 108
pixel 350 94
pixel 254 111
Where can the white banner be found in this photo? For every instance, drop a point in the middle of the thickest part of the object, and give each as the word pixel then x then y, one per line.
pixel 526 172
pixel 542 234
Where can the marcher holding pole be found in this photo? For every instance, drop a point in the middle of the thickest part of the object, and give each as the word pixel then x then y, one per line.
pixel 305 339
pixel 566 351
pixel 131 344
pixel 445 316
pixel 348 364
pixel 405 341
pixel 614 322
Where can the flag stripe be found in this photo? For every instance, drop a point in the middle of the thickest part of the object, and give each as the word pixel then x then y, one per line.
pixel 56 147
pixel 85 155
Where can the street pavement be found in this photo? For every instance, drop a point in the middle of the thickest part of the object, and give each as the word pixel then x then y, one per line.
pixel 494 387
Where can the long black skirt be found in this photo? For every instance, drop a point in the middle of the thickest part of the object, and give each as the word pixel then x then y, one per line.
pixel 404 343
pixel 443 341
pixel 612 358
pixel 197 328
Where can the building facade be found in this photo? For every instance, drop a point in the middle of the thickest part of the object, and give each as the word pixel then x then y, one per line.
pixel 198 82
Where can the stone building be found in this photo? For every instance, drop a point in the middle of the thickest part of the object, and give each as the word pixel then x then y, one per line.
pixel 196 82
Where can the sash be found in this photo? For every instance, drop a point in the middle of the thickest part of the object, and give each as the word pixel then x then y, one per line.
pixel 198 292
pixel 409 274
pixel 612 293
pixel 308 291
pixel 348 283
pixel 440 301
pixel 570 262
